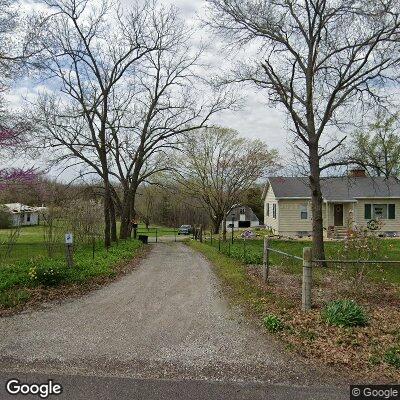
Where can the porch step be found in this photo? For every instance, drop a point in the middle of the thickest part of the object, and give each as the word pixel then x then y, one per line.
pixel 340 232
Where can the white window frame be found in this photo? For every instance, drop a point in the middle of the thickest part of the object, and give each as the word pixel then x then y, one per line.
pixel 274 210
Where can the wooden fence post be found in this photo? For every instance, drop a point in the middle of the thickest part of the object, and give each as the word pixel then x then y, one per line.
pixel 265 260
pixel 307 279
pixel 201 233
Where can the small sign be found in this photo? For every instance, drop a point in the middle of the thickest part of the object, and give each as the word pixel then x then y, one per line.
pixel 69 238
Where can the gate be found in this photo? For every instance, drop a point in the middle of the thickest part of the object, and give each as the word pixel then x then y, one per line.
pixel 160 235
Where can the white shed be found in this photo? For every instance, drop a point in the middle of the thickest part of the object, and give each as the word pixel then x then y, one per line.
pixel 23 215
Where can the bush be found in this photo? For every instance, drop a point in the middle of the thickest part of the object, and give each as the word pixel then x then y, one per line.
pixel 48 276
pixel 344 313
pixel 5 219
pixel 392 357
pixel 273 323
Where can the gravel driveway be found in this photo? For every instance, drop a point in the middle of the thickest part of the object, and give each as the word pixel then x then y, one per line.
pixel 166 319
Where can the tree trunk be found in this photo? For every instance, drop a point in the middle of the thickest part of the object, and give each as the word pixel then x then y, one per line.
pixel 113 222
pixel 217 221
pixel 224 229
pixel 316 198
pixel 126 216
pixel 107 224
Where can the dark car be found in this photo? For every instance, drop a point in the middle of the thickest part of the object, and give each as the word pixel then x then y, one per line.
pixel 185 230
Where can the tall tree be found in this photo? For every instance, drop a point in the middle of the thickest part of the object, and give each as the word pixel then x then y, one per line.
pixel 218 166
pixel 320 60
pixel 89 50
pixel 378 148
pixel 121 124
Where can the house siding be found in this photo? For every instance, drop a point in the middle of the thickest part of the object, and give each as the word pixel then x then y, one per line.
pixel 389 225
pixel 269 221
pixel 290 222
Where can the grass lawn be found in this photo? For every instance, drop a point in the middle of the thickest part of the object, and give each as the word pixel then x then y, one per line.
pixel 31 243
pixel 363 353
pixel 251 252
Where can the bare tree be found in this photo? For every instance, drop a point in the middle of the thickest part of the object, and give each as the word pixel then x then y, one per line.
pixel 90 48
pixel 320 60
pixel 218 166
pixel 123 132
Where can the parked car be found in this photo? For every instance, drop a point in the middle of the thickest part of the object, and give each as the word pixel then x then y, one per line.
pixel 185 230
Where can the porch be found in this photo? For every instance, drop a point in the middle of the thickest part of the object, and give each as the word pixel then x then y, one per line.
pixel 338 217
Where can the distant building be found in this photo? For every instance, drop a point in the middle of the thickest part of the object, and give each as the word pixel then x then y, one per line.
pixel 241 216
pixel 23 215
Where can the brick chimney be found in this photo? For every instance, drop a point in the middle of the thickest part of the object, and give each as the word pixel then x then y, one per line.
pixel 357 173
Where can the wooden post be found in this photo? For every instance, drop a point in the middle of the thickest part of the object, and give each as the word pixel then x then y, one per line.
pixel 307 279
pixel 69 255
pixel 201 233
pixel 219 242
pixel 265 260
pixel 244 249
pixel 156 235
pixel 175 234
pixel 69 251
pixel 211 236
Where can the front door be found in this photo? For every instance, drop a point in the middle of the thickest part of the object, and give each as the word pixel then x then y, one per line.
pixel 338 215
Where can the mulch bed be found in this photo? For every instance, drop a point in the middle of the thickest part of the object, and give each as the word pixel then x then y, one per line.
pixel 40 296
pixel 356 351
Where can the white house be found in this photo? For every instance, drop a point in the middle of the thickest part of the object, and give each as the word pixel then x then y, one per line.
pixel 241 216
pixel 355 200
pixel 23 215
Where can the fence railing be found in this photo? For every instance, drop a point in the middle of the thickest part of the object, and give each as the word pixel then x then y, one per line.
pixel 308 263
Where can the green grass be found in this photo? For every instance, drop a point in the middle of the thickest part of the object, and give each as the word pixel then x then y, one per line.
pixel 25 274
pixel 251 252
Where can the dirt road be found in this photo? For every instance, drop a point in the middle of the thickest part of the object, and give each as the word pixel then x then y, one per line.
pixel 167 319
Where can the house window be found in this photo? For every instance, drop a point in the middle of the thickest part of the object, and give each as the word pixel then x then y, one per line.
pixel 274 211
pixel 391 211
pixel 303 212
pixel 380 211
pixel 367 211
pixel 267 209
pixel 28 217
pixel 242 211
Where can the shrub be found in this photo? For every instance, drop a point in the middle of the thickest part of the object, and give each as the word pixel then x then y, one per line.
pixel 344 313
pixel 5 219
pixel 273 323
pixel 392 357
pixel 49 276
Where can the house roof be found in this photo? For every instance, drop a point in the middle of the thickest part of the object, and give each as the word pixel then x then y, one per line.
pixel 17 208
pixel 235 210
pixel 337 188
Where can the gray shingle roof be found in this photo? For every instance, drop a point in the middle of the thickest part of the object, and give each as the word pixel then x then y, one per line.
pixel 337 188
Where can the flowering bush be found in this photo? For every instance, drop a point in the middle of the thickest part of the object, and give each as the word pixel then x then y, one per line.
pixel 48 276
pixel 360 244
